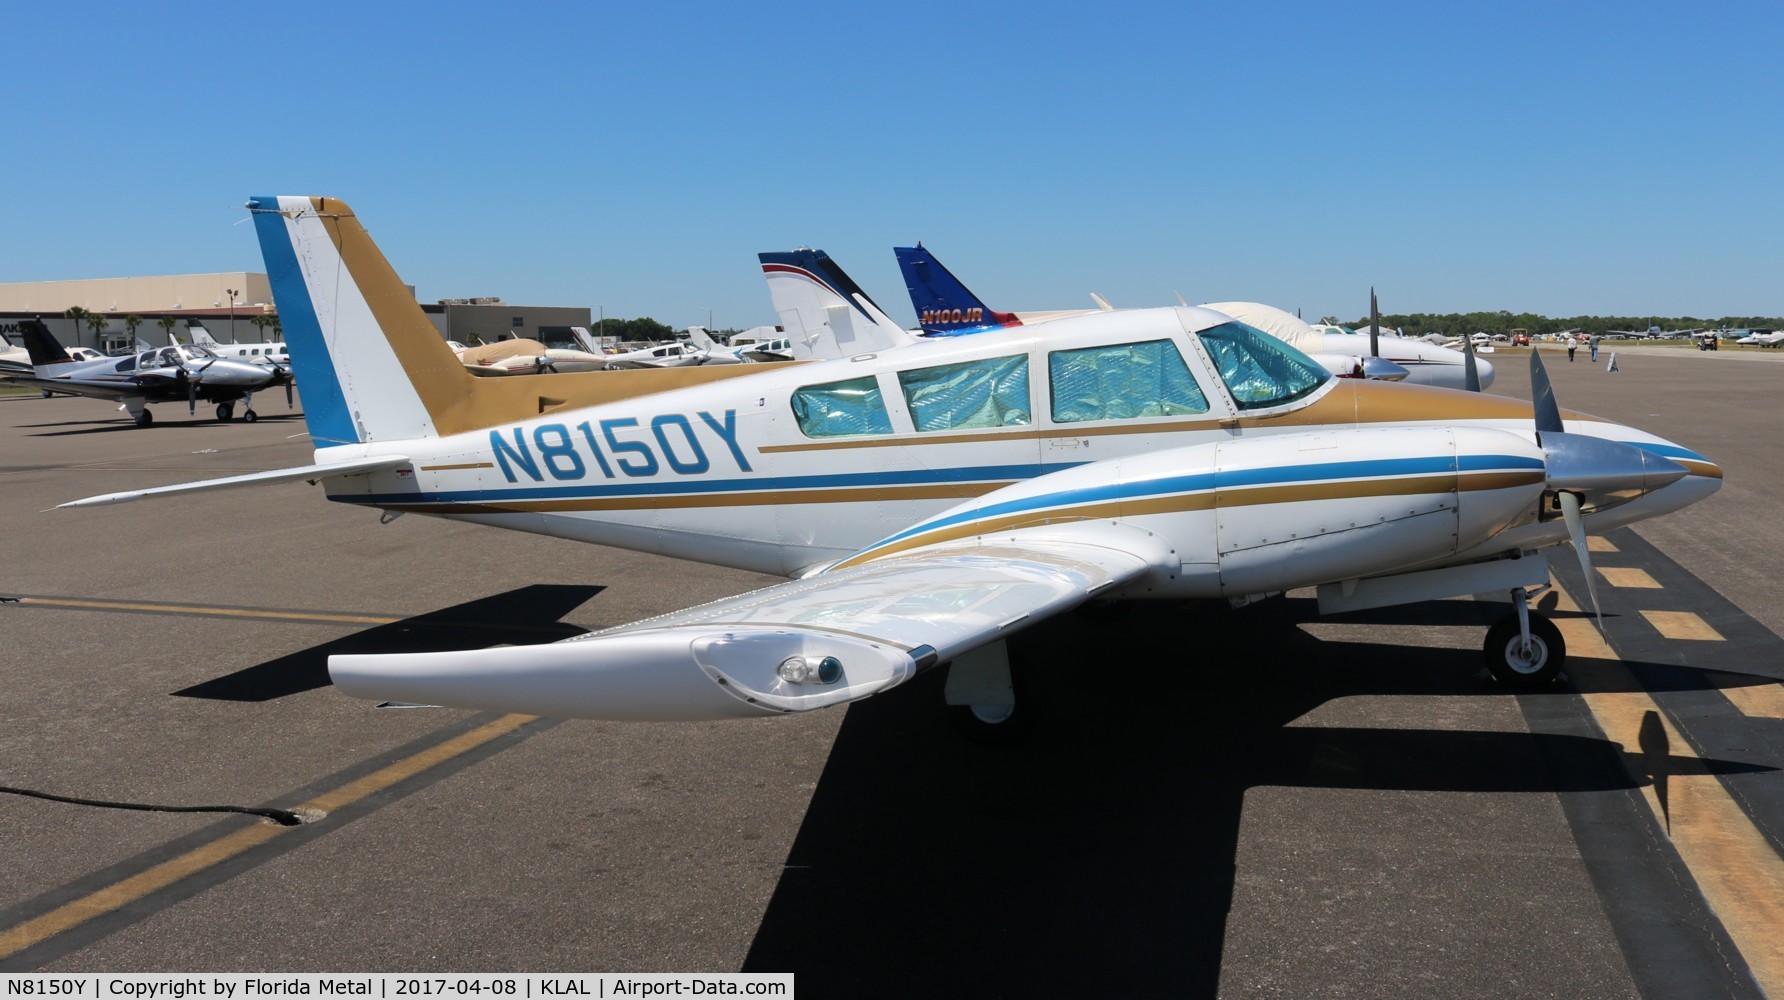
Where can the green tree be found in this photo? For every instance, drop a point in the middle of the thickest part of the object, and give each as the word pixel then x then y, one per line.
pixel 166 324
pixel 131 322
pixel 262 321
pixel 79 315
pixel 97 322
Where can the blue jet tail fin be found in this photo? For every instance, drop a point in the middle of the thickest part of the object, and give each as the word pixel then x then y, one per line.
pixel 945 307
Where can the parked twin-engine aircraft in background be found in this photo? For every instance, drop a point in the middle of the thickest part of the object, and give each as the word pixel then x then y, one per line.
pixel 946 307
pixel 179 373
pixel 520 356
pixel 931 497
pixel 265 353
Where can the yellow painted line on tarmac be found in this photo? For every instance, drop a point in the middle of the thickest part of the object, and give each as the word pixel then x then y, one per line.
pixel 1595 543
pixel 1758 701
pixel 87 604
pixel 126 891
pixel 1622 576
pixel 1682 625
pixel 1735 867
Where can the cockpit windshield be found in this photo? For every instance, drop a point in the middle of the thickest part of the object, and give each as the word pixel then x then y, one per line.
pixel 1259 370
pixel 198 351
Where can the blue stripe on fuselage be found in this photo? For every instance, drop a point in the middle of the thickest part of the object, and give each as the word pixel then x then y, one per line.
pixel 325 407
pixel 998 473
pixel 1236 478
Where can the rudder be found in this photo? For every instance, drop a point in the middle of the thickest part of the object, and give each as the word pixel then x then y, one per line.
pixel 945 306
pixel 371 365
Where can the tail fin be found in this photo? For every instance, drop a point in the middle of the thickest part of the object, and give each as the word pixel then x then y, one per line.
pixel 196 332
pixel 42 345
pixel 701 338
pixel 372 365
pixel 825 313
pixel 584 341
pixel 944 306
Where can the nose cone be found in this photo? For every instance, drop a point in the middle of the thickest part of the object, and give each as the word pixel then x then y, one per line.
pixel 1605 473
pixel 1485 368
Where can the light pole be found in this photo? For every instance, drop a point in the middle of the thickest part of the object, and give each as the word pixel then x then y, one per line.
pixel 232 294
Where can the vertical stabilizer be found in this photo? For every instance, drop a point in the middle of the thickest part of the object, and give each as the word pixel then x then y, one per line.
pixel 826 315
pixel 371 364
pixel 48 357
pixel 945 306
pixel 196 333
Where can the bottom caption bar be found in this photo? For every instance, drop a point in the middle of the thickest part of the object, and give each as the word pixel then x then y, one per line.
pixel 258 986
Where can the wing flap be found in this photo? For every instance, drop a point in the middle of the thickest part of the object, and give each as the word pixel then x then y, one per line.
pixel 853 633
pixel 327 471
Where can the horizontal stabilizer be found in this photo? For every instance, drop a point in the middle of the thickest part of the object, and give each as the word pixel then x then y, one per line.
pixel 312 472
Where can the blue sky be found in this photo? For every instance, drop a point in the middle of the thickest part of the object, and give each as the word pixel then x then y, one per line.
pixel 1559 158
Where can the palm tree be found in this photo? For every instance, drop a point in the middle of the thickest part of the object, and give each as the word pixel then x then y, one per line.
pixel 131 322
pixel 166 324
pixel 97 322
pixel 262 321
pixel 77 314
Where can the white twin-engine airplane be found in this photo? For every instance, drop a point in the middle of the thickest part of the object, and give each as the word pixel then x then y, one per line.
pixel 933 497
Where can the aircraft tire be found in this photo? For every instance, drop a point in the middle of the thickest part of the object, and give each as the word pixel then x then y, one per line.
pixel 145 418
pixel 1507 663
pixel 225 412
pixel 250 416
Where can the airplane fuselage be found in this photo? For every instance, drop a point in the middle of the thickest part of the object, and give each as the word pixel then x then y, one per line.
pixel 745 472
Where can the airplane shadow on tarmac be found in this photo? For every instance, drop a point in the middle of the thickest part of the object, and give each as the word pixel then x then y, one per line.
pixel 123 423
pixel 1099 855
pixel 519 617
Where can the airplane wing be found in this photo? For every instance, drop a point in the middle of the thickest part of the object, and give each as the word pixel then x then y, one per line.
pixel 82 387
pixel 815 642
pixel 310 472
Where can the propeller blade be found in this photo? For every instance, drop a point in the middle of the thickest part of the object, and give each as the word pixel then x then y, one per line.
pixel 1374 326
pixel 191 398
pixel 287 394
pixel 1470 370
pixel 1542 396
pixel 1576 529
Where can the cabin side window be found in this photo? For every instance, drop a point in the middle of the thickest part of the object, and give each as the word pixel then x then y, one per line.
pixel 992 392
pixel 1258 369
pixel 1122 382
pixel 841 409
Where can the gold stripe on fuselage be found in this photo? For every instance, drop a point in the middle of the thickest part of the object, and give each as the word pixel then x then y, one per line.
pixel 1206 500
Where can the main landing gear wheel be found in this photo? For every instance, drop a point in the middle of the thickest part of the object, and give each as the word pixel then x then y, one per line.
pixel 250 416
pixel 1525 668
pixel 225 411
pixel 144 419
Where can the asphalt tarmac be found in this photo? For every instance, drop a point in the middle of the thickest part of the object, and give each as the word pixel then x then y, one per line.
pixel 1244 802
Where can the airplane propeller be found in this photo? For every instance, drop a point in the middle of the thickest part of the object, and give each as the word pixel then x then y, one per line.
pixel 182 375
pixel 1587 472
pixel 1374 326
